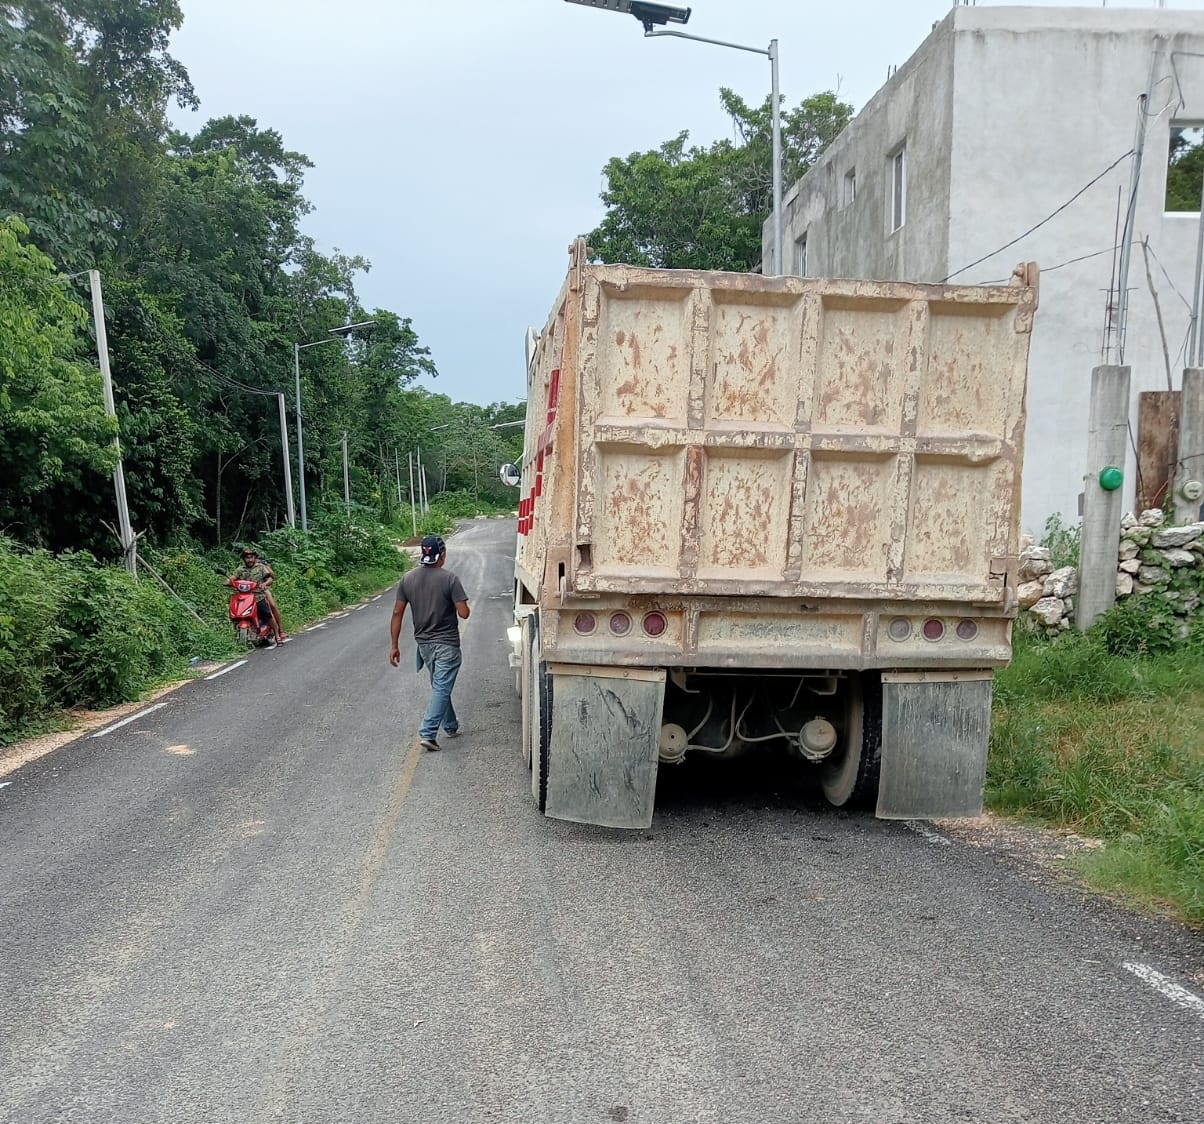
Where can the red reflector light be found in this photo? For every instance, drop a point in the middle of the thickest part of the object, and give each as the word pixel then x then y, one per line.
pixel 967 630
pixel 655 624
pixel 899 628
pixel 933 629
pixel 584 623
pixel 620 623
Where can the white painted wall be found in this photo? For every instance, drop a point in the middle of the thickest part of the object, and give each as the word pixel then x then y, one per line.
pixel 1007 113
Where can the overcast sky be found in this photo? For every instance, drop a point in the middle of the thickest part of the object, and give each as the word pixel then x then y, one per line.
pixel 459 144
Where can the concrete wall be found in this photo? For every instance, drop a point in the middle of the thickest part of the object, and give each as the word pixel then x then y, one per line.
pixel 915 109
pixel 1009 112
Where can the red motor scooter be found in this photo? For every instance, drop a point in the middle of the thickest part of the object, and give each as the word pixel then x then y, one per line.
pixel 251 617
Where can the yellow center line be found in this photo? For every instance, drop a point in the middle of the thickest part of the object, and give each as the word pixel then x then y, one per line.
pixel 384 834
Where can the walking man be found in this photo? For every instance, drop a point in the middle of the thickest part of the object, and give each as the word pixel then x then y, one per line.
pixel 438 604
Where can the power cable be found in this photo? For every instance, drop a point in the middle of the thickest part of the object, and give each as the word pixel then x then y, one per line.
pixel 1049 269
pixel 1051 215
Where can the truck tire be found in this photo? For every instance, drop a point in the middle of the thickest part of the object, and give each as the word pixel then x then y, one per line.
pixel 849 778
pixel 541 730
pixel 525 691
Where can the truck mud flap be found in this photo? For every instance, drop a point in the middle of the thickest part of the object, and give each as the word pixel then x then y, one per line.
pixel 935 730
pixel 604 744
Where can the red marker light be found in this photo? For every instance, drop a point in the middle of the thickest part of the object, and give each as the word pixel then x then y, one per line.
pixel 584 623
pixel 655 624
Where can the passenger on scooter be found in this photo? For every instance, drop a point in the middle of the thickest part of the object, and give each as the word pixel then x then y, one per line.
pixel 253 570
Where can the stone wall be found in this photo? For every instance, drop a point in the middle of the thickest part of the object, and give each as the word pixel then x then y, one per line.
pixel 1151 558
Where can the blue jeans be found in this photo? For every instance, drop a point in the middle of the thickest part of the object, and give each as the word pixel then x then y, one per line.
pixel 443 662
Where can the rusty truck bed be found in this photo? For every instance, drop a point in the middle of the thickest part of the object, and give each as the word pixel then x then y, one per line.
pixel 726 434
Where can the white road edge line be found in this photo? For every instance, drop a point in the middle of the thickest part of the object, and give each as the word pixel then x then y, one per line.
pixel 1167 987
pixel 314 626
pixel 378 597
pixel 224 670
pixel 5 784
pixel 363 606
pixel 926 833
pixel 127 721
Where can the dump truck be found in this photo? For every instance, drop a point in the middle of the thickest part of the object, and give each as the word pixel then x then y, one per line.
pixel 775 514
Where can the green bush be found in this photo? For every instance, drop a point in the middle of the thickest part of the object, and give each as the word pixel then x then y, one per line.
pixel 1063 542
pixel 447 507
pixel 28 634
pixel 74 632
pixel 1142 626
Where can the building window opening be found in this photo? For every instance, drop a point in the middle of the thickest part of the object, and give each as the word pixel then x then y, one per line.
pixel 898 189
pixel 800 257
pixel 1185 168
pixel 850 186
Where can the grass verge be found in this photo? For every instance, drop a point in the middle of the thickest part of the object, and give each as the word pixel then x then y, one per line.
pixel 1110 746
pixel 76 633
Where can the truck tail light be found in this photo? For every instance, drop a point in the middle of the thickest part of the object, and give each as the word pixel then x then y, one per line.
pixel 655 624
pixel 620 623
pixel 933 629
pixel 899 628
pixel 584 623
pixel 967 630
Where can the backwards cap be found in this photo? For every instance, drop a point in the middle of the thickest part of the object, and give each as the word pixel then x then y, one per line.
pixel 432 550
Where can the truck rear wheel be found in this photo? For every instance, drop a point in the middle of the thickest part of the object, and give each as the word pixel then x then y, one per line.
pixel 541 729
pixel 849 778
pixel 525 691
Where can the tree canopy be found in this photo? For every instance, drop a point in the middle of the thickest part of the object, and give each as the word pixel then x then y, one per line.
pixel 209 282
pixel 692 207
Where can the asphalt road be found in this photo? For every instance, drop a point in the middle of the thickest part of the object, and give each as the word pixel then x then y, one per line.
pixel 260 902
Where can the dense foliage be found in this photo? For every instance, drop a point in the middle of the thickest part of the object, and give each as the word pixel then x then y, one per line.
pixel 75 632
pixel 208 284
pixel 1185 169
pixel 702 208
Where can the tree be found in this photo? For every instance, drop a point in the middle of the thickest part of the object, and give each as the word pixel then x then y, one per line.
pixel 53 427
pixel 84 87
pixel 208 283
pixel 702 208
pixel 1185 171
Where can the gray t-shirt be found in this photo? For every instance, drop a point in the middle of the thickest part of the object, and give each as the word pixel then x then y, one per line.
pixel 431 593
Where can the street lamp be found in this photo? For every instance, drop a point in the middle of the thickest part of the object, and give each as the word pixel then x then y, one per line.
pixel 340 334
pixel 651 15
pixel 647 13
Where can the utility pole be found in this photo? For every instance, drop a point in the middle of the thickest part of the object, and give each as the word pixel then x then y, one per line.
pixel 421 485
pixel 397 469
pixel 300 439
pixel 1126 238
pixel 129 546
pixel 413 509
pixel 288 464
pixel 343 334
pixel 346 477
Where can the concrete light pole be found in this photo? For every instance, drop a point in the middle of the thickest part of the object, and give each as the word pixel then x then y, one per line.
pixel 656 15
pixel 776 124
pixel 342 335
pixel 129 546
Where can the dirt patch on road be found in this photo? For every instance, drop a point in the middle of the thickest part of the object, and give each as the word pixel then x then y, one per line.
pixel 1041 846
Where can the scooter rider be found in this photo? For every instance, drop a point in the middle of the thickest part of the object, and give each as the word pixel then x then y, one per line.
pixel 253 570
